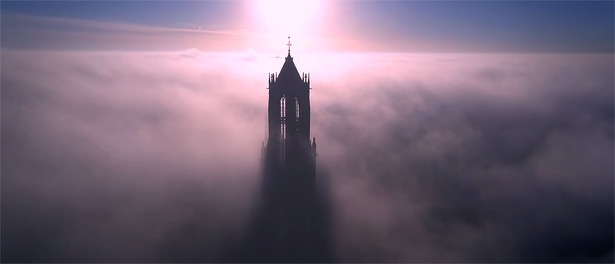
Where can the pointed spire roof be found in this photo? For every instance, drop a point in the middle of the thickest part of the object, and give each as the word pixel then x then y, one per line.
pixel 289 70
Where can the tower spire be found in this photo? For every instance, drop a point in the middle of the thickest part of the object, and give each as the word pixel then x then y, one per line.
pixel 289 44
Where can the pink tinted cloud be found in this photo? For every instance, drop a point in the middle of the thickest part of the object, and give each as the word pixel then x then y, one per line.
pixel 431 157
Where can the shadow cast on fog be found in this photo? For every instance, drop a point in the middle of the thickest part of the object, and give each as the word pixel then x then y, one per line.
pixel 289 228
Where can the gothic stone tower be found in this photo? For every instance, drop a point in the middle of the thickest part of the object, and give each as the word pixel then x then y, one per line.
pixel 289 144
pixel 287 224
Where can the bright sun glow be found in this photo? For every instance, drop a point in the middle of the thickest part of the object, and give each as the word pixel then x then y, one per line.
pixel 296 18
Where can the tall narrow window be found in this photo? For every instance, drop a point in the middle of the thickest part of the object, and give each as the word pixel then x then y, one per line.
pixel 283 117
pixel 297 108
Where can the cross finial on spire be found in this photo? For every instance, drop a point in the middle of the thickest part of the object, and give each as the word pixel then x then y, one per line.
pixel 289 44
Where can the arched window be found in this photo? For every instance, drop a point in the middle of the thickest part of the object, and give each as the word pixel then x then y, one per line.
pixel 297 108
pixel 283 117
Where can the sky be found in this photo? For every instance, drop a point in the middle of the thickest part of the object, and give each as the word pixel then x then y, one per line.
pixel 465 131
pixel 319 25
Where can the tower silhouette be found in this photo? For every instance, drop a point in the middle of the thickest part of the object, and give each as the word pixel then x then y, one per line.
pixel 290 224
pixel 289 151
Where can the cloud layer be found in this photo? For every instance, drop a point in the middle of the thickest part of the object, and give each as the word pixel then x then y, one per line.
pixel 472 158
pixel 155 156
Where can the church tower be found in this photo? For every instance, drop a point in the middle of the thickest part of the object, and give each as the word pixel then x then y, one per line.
pixel 288 226
pixel 289 117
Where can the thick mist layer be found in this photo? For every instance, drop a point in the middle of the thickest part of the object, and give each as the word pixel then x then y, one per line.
pixel 449 157
pixel 471 157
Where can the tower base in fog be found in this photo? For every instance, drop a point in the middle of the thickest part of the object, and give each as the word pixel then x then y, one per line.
pixel 289 226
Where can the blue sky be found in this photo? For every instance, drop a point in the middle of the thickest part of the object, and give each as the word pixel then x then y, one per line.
pixel 447 26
